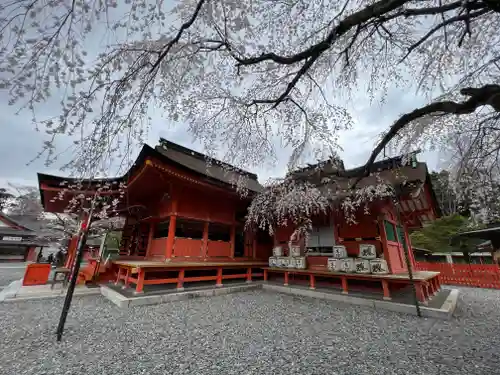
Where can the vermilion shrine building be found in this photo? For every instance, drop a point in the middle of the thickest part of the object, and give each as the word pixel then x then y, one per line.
pixel 185 223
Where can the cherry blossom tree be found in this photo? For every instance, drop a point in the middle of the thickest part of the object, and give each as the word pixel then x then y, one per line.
pixel 287 202
pixel 445 194
pixel 243 73
pixel 56 227
pixel 312 191
pixel 24 202
pixel 5 197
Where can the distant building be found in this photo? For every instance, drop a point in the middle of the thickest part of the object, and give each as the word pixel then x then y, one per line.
pixel 17 242
pixel 455 257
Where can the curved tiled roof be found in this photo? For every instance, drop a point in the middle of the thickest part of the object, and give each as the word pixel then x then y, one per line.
pixel 209 167
pixel 211 170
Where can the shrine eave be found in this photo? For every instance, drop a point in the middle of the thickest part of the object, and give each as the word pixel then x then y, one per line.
pixel 12 224
pixel 168 153
pixel 54 184
pixel 406 181
pixel 489 234
pixel 193 163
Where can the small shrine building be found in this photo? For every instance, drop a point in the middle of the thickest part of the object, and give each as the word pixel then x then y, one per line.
pixel 17 242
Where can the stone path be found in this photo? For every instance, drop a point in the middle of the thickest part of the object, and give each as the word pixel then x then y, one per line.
pixel 249 333
pixel 10 272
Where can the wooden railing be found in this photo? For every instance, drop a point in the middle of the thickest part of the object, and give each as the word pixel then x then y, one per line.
pixel 475 275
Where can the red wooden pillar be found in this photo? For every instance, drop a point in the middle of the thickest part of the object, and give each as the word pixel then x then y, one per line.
pixel 232 238
pixel 171 230
pixel 254 246
pixel 73 243
pixel 219 277
pixel 420 292
pixel 432 287
pixel 265 275
pixel 204 248
pixel 150 238
pixel 387 292
pixel 119 275
pixel 126 281
pixel 437 286
pixel 410 249
pixel 383 241
pixel 249 274
pixel 180 280
pixel 312 281
pixel 76 238
pixel 345 289
pixel 286 279
pixel 140 281
pixel 425 289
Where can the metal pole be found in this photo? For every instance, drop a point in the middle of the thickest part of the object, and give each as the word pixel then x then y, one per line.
pixel 74 275
pixel 72 284
pixel 408 263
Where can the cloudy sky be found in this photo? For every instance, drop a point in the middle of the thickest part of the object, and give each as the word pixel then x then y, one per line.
pixel 20 142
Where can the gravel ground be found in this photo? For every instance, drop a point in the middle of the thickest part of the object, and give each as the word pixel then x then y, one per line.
pixel 10 273
pixel 249 333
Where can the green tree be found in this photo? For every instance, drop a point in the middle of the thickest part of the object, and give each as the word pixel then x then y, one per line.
pixel 113 240
pixel 436 235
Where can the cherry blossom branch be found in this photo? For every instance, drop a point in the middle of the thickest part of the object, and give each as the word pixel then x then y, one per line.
pixel 375 14
pixel 464 17
pixel 176 39
pixel 488 95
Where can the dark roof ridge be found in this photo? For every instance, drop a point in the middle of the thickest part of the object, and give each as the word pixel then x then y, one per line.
pixel 384 164
pixel 15 222
pixel 169 144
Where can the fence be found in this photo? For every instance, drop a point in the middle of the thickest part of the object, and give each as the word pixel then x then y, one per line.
pixel 478 275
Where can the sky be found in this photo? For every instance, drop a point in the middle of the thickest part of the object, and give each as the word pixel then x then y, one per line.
pixel 20 142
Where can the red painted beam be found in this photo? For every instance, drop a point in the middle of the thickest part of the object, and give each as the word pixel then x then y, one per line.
pixel 45 187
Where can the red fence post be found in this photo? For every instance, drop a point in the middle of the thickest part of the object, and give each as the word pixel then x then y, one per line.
pixel 180 280
pixel 312 281
pixel 219 277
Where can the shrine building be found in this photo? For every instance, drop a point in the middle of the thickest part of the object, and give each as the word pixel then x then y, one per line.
pixel 185 223
pixel 17 242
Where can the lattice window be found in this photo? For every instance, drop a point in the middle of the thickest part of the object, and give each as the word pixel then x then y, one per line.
pixel 189 229
pixel 390 231
pixel 219 232
pixel 402 238
pixel 161 229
